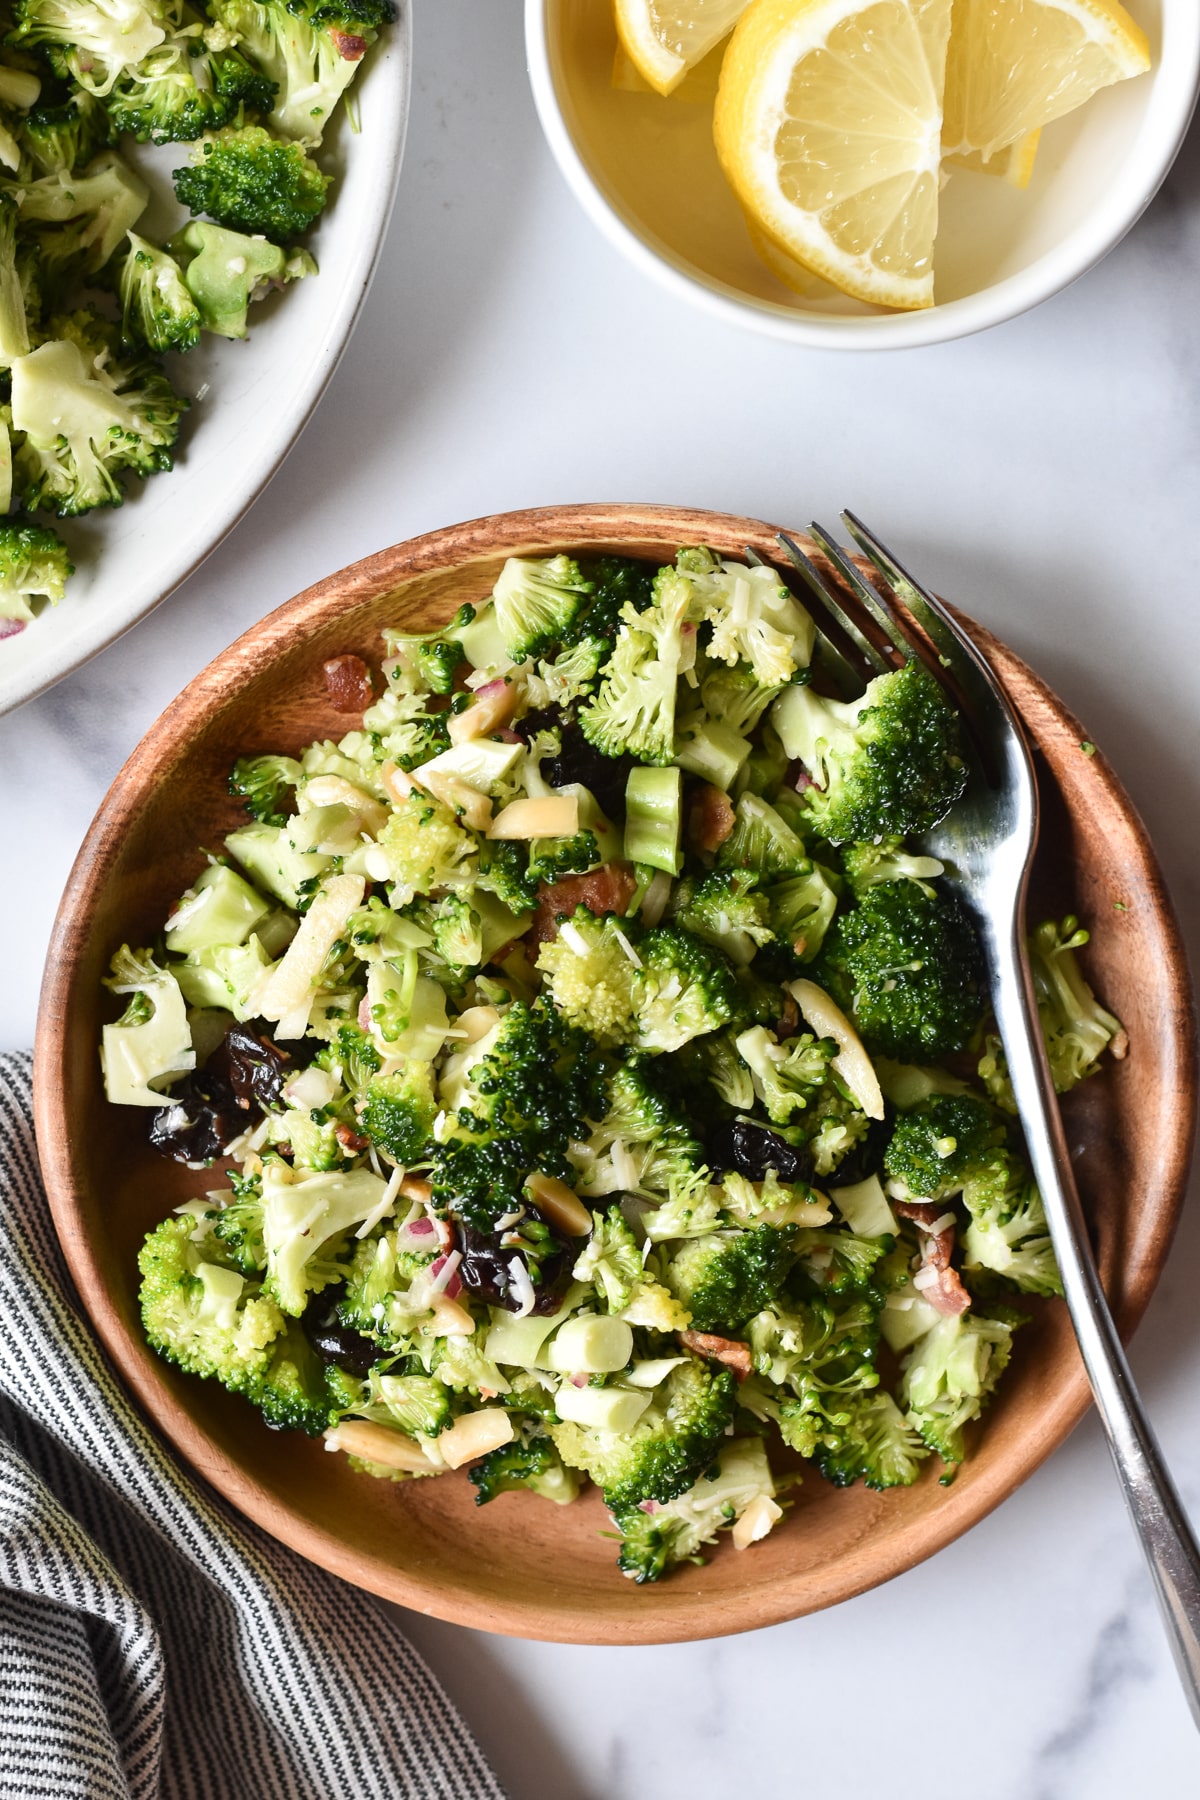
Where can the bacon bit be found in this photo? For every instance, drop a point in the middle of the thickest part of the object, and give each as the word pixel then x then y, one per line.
pixel 606 890
pixel 710 818
pixel 946 1294
pixel 348 46
pixel 349 681
pixel 413 1187
pixel 351 1141
pixel 730 1351
pixel 788 1022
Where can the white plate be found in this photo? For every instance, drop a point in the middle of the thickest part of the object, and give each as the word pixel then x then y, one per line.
pixel 251 400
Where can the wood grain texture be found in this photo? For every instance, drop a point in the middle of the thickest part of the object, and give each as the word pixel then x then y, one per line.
pixel 520 1566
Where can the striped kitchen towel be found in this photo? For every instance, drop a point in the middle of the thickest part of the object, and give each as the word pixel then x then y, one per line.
pixel 152 1643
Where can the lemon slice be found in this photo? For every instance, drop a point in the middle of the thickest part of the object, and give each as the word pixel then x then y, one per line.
pixel 665 38
pixel 1014 165
pixel 828 127
pixel 1017 64
pixel 801 280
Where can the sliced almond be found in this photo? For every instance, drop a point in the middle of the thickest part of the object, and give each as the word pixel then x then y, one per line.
pixel 757 1520
pixel 474 1435
pixel 380 1444
pixel 335 790
pixel 492 707
pixel 397 781
pixel 559 1204
pixel 851 1062
pixel 555 815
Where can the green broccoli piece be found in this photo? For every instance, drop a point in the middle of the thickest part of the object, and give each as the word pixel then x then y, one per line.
pixel 79 221
pixel 399 1111
pixel 754 619
pixel 1013 1240
pixel 907 970
pixel 61 138
pixel 611 1260
pixel 294 1395
pixel 405 733
pixel 762 842
pixel 950 1375
pixel 801 909
pixel 633 713
pixel 535 1466
pixel 504 871
pixel 183 89
pixel 14 325
pixel 590 976
pixel 836 1261
pixel 426 848
pixel 572 673
pixel 874 1444
pixel 536 603
pixel 201 1314
pixel 418 1404
pixel 226 272
pixel 239 1225
pixel 726 1276
pixel 655 1540
pixel 34 565
pixel 618 586
pixel 249 180
pixel 88 412
pixel 309 50
pixel 887 765
pixel 261 781
pixel 724 909
pixel 787 1077
pixel 305 1219
pixel 157 309
pixel 666 1154
pixel 91 41
pixel 866 865
pixel 378 1277
pixel 940 1145
pixel 674 1441
pixel 1076 1028
pixel 683 989
pixel 735 696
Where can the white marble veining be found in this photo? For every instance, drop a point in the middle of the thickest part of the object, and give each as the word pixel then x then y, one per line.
pixel 1045 476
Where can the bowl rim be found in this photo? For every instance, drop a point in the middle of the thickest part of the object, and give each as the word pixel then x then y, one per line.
pixel 110 621
pixel 160 749
pixel 1086 245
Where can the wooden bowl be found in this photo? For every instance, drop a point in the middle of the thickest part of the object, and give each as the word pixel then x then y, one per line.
pixel 519 1565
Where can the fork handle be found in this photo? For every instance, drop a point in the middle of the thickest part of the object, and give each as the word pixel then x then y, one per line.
pixel 1161 1523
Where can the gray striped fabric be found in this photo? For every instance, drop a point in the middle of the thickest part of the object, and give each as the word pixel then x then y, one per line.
pixel 152 1644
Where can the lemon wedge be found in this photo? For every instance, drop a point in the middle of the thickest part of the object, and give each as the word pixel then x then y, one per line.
pixel 828 127
pixel 1016 64
pixel 665 38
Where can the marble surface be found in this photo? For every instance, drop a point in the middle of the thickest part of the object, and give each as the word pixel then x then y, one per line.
pixel 1045 476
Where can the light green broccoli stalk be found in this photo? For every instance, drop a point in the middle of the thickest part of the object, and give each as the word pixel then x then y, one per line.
pixel 950 1375
pixel 801 909
pixel 724 909
pixel 1076 1028
pixel 887 765
pixel 1009 1235
pixel 868 864
pixel 304 1222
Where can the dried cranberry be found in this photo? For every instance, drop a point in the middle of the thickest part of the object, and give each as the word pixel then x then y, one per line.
pixel 485 1271
pixel 200 1119
pixel 753 1149
pixel 335 1342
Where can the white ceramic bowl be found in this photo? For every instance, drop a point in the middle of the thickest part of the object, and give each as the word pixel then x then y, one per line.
pixel 645 171
pixel 250 401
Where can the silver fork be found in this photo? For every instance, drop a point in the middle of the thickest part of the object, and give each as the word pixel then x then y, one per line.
pixel 987 843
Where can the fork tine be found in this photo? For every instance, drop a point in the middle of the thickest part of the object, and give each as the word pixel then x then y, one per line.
pixel 870 660
pixel 961 657
pixel 865 594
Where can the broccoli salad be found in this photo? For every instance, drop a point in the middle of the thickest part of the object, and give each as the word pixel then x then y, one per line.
pixel 88 307
pixel 605 1088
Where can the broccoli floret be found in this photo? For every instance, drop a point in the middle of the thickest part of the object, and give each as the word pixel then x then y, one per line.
pixel 724 909
pixel 226 272
pixel 611 1261
pixel 726 1276
pixel 673 1442
pixel 1008 1233
pixel 571 674
pixel 787 1077
pixel 617 583
pixel 200 1313
pixel 92 41
pixel 14 326
pixel 80 220
pixel 183 89
pixel 399 1111
pixel 754 618
pixel 261 781
pixel 874 1444
pixel 887 765
pixel 836 1261
pixel 940 1145
pixel 670 989
pixel 379 1275
pixel 590 976
pixel 950 1375
pixel 907 970
pixel 868 864
pixel 418 1404
pixel 654 1541
pixel 34 564
pixel 504 871
pixel 762 842
pixel 801 909
pixel 62 138
pixel 157 309
pixel 659 1153
pixel 634 711
pixel 310 51
pixel 294 1395
pixel 536 602
pixel 251 181
pixel 535 1466
pixel 1075 1027
pixel 304 1222
pixel 239 1225
pixel 408 735
pixel 527 1100
pixel 426 848
pixel 88 411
